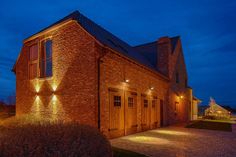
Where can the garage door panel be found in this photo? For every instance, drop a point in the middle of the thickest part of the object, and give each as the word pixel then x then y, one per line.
pixel 116 107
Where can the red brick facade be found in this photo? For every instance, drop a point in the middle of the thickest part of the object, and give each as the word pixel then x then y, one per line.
pixel 86 74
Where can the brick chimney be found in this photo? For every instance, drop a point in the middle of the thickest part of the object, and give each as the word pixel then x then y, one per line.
pixel 163 56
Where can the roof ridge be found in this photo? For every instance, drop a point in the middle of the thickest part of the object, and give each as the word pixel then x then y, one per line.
pixel 145 44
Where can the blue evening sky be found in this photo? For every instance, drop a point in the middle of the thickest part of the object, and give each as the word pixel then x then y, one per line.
pixel 207 29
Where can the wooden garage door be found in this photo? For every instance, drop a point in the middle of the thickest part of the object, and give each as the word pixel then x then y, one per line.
pixel 145 113
pixel 130 113
pixel 116 105
pixel 154 113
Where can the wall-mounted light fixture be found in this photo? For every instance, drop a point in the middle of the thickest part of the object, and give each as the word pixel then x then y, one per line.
pixel 126 80
pixel 152 88
pixel 181 97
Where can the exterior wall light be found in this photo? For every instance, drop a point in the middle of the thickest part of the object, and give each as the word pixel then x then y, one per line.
pixel 181 96
pixel 152 88
pixel 126 81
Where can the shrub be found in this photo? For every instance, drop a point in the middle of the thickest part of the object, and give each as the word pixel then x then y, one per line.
pixel 53 140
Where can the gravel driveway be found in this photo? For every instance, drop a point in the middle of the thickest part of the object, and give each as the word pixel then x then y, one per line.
pixel 180 142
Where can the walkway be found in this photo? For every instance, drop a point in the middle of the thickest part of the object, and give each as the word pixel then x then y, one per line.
pixel 180 142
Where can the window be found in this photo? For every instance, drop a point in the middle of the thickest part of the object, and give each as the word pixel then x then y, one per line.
pixel 145 103
pixel 153 103
pixel 186 83
pixel 33 61
pixel 176 106
pixel 177 77
pixel 46 59
pixel 117 101
pixel 130 102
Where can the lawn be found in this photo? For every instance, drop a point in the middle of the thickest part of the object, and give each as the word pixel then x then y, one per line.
pixel 117 152
pixel 211 125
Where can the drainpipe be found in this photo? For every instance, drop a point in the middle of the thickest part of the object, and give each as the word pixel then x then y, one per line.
pixel 99 71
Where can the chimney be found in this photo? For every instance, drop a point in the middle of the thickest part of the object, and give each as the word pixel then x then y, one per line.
pixel 163 56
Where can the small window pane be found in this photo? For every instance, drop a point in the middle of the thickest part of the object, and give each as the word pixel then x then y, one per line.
pixel 33 52
pixel 177 77
pixel 33 70
pixel 48 46
pixel 130 102
pixel 145 104
pixel 49 68
pixel 117 101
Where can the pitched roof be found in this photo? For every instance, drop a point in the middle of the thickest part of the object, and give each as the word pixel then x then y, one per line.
pixel 105 37
pixel 144 54
pixel 150 51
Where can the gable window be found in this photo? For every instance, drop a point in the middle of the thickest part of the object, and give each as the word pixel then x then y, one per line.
pixel 177 77
pixel 117 101
pixel 33 61
pixel 145 103
pixel 130 102
pixel 46 59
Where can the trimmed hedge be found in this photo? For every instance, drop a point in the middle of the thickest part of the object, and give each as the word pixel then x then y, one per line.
pixel 53 139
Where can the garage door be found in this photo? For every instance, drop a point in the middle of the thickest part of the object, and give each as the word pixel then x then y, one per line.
pixel 130 112
pixel 145 113
pixel 154 113
pixel 116 108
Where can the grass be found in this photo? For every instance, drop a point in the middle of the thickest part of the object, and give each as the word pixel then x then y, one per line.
pixel 211 125
pixel 118 152
pixel 218 120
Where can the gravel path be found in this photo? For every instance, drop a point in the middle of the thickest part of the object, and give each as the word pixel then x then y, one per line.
pixel 180 142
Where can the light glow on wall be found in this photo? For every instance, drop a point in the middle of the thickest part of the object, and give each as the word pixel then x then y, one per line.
pixel 54 99
pixel 54 87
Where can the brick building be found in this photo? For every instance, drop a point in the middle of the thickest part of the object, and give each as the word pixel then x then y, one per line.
pixel 76 70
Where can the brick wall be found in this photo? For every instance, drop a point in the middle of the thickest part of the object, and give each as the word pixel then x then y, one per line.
pixel 114 70
pixel 72 92
pixel 74 78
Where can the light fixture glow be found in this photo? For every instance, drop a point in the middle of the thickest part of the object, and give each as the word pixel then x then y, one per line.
pixel 54 99
pixel 152 88
pixel 54 87
pixel 37 88
pixel 181 96
pixel 126 80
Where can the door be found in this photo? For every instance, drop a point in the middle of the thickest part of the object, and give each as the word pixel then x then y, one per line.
pixel 145 116
pixel 130 113
pixel 116 107
pixel 154 113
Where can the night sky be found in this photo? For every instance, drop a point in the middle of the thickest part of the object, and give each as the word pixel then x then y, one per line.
pixel 207 29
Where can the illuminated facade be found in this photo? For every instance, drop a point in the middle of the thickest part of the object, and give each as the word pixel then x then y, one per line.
pixel 216 111
pixel 76 70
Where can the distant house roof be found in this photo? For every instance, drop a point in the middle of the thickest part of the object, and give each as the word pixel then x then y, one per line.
pixel 150 52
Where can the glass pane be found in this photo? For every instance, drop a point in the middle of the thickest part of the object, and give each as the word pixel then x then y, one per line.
pixel 48 46
pixel 130 102
pixel 42 68
pixel 117 101
pixel 145 103
pixel 33 52
pixel 33 71
pixel 48 68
